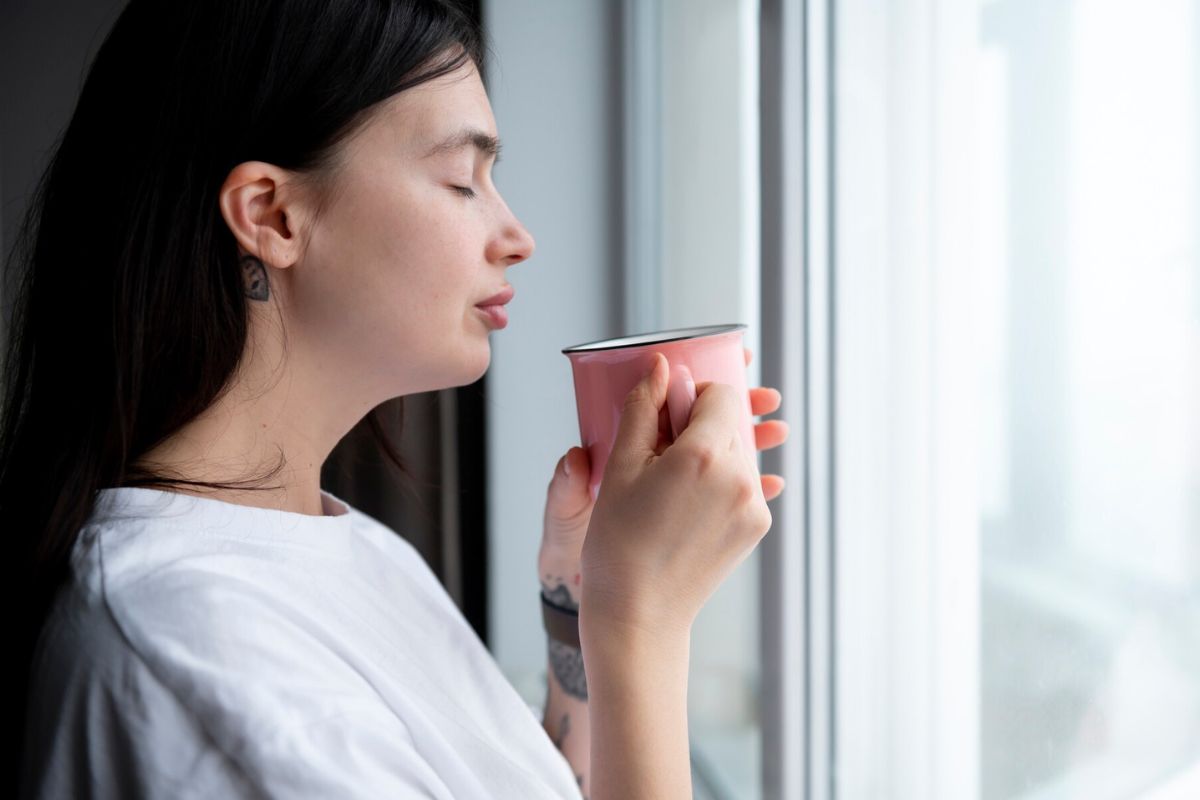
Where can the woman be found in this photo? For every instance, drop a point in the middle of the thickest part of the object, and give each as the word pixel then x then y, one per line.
pixel 264 220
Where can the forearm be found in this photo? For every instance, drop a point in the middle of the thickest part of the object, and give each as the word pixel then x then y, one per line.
pixel 639 735
pixel 566 717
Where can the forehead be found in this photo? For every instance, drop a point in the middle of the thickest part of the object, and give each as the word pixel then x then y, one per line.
pixel 430 114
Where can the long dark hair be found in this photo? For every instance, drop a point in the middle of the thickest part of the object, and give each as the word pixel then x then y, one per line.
pixel 129 315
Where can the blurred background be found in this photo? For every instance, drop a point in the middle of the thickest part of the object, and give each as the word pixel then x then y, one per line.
pixel 965 237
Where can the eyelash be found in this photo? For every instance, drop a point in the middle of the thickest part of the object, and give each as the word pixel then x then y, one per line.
pixel 465 191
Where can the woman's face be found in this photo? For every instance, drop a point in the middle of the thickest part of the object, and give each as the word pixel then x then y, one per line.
pixel 411 239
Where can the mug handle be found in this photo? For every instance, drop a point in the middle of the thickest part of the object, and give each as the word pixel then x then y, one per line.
pixel 681 394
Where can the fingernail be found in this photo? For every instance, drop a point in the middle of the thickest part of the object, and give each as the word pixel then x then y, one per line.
pixel 567 466
pixel 654 366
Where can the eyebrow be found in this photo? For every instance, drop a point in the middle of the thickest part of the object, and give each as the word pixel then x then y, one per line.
pixel 468 137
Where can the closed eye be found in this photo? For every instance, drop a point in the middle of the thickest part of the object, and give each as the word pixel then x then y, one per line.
pixel 465 191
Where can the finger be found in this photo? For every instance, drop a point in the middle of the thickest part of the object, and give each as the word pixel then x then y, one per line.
pixel 637 433
pixel 749 355
pixel 568 500
pixel 715 414
pixel 559 472
pixel 565 472
pixel 664 430
pixel 772 486
pixel 771 433
pixel 764 400
pixel 577 465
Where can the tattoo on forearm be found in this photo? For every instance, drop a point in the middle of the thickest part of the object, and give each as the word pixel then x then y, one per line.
pixel 564 726
pixel 559 595
pixel 255 276
pixel 566 662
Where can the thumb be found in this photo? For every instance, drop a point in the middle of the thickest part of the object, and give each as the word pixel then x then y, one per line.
pixel 637 434
pixel 568 489
pixel 571 471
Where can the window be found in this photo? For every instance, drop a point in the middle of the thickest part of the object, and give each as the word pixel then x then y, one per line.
pixel 966 232
pixel 1017 398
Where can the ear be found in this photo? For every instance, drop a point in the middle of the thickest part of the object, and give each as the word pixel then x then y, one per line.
pixel 264 212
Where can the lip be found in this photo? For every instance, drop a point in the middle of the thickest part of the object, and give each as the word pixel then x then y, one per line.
pixel 498 299
pixel 495 314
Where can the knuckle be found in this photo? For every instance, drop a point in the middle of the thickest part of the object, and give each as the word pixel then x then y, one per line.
pixel 703 457
pixel 763 520
pixel 755 524
pixel 745 491
pixel 751 507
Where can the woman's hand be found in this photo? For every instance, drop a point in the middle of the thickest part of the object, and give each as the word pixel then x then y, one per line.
pixel 569 503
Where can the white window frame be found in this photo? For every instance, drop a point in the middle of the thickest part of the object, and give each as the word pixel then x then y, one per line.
pixel 796 616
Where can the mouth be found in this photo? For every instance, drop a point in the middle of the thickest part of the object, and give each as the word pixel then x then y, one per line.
pixel 495 314
pixel 500 298
pixel 493 310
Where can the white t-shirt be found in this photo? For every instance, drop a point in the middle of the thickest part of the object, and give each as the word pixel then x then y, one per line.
pixel 210 649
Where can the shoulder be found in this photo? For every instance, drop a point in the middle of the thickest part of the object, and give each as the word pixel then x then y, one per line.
pixel 186 654
pixel 101 721
pixel 383 540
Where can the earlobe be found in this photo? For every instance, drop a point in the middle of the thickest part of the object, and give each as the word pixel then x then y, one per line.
pixel 253 202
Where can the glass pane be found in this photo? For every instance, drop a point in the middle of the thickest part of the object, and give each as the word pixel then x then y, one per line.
pixel 1018 399
pixel 1090 510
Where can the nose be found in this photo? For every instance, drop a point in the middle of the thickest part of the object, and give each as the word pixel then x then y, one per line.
pixel 527 244
pixel 515 244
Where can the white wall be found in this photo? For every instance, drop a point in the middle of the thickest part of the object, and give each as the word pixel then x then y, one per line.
pixel 710 243
pixel 553 88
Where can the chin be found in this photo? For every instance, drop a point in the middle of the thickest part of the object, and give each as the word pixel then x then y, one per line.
pixel 481 367
pixel 476 365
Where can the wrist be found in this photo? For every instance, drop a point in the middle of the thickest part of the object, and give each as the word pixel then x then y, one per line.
pixel 620 624
pixel 558 576
pixel 617 653
pixel 558 559
pixel 560 606
pixel 560 618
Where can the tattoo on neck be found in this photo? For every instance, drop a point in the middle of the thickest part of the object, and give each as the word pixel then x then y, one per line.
pixel 255 276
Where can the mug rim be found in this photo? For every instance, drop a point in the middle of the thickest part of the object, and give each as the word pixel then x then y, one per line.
pixel 652 337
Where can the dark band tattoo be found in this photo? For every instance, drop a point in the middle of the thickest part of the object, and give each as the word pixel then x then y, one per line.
pixel 566 662
pixel 255 276
pixel 560 596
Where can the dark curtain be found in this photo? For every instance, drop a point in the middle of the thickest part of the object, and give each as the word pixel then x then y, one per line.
pixel 441 510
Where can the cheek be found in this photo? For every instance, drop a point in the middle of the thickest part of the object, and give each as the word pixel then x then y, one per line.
pixel 391 279
pixel 399 275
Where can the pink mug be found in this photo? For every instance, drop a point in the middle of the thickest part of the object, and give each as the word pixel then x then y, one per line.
pixel 606 371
